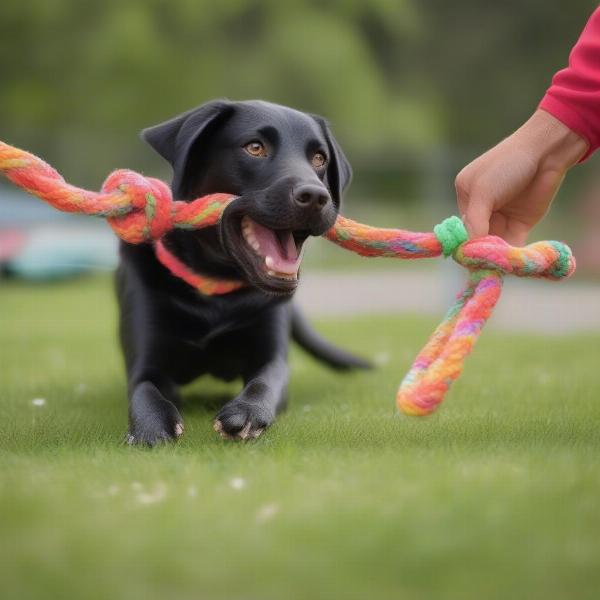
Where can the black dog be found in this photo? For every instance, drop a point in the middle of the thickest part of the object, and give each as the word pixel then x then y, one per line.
pixel 289 174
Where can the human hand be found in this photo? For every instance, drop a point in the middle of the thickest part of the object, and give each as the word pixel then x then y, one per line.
pixel 509 188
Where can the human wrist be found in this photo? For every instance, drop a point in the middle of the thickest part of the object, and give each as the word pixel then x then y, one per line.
pixel 556 146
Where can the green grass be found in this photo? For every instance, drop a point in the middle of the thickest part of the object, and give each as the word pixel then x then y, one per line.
pixel 496 496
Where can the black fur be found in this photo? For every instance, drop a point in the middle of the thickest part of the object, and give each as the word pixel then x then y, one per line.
pixel 170 333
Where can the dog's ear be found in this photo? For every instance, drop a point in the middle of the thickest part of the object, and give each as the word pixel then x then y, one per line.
pixel 339 171
pixel 175 139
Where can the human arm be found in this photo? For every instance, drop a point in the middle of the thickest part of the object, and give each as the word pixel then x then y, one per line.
pixel 509 188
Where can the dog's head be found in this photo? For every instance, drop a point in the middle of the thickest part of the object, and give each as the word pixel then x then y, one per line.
pixel 285 166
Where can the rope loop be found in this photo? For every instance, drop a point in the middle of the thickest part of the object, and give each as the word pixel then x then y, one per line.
pixel 150 206
pixel 138 208
pixel 548 260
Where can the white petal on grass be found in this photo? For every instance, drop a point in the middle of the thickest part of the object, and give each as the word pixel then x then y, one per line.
pixel 192 491
pixel 158 494
pixel 39 402
pixel 81 388
pixel 266 512
pixel 237 483
pixel 113 489
pixel 543 377
pixel 381 359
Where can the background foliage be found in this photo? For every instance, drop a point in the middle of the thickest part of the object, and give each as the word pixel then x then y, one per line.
pixel 80 78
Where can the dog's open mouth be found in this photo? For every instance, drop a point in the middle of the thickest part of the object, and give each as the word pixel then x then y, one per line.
pixel 279 253
pixel 269 254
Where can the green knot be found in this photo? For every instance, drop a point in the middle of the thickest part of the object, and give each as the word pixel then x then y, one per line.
pixel 562 264
pixel 451 233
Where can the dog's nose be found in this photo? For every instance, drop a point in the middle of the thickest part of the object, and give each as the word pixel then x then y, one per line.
pixel 311 196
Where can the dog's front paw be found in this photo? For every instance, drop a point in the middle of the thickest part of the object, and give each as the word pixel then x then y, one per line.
pixel 243 420
pixel 152 418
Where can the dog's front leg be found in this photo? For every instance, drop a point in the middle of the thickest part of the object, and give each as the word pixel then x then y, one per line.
pixel 153 414
pixel 265 378
pixel 149 358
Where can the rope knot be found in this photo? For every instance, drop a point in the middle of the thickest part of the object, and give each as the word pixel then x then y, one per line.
pixel 146 214
pixel 547 260
pixel 451 233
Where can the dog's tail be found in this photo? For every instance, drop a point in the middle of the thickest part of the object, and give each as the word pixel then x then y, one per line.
pixel 307 338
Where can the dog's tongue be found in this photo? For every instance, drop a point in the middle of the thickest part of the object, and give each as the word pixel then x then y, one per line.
pixel 278 249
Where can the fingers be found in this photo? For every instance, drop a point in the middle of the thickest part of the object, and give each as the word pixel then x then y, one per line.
pixel 475 211
pixel 513 231
pixel 508 189
pixel 516 239
pixel 480 217
pixel 477 218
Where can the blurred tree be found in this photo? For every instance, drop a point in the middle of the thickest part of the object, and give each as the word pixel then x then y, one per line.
pixel 74 70
pixel 81 77
pixel 491 62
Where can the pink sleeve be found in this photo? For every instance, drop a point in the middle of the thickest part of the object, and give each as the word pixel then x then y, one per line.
pixel 574 96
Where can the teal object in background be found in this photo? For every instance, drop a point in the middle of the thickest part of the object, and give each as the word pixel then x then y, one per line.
pixel 51 245
pixel 58 253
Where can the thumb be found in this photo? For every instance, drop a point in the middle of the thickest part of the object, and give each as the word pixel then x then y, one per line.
pixel 477 218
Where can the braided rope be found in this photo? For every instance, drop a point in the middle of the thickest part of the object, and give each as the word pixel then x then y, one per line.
pixel 138 208
pixel 208 286
pixel 141 209
pixel 488 259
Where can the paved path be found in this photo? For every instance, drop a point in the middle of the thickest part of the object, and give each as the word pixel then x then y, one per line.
pixel 525 305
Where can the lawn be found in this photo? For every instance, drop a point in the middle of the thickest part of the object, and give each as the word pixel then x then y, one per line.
pixel 496 496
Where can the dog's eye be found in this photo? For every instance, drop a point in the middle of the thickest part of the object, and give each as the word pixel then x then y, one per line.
pixel 255 149
pixel 318 160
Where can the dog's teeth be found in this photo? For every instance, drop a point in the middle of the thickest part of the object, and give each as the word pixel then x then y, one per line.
pixel 247 227
pixel 249 236
pixel 269 262
pixel 286 276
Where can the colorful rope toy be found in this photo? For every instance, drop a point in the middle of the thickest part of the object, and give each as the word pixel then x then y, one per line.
pixel 141 209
